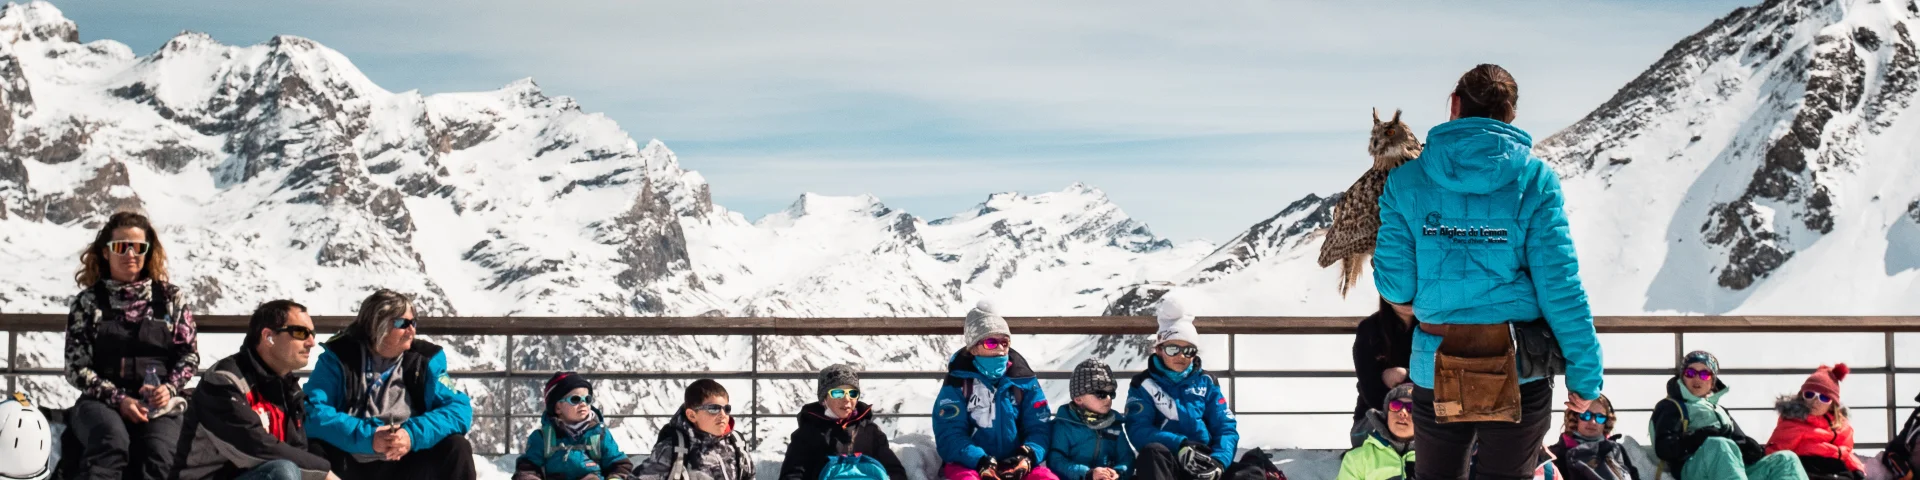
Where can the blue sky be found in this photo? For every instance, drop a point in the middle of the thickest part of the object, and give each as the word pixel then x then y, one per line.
pixel 1199 118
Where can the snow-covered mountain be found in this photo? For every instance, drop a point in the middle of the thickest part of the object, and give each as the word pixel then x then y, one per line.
pixel 280 171
pixel 1764 165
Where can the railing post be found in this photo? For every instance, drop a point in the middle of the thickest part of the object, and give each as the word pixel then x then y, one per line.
pixel 753 379
pixel 1233 371
pixel 13 360
pixel 1893 397
pixel 506 412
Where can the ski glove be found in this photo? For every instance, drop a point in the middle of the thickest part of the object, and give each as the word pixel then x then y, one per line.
pixel 1021 465
pixel 1195 458
pixel 989 469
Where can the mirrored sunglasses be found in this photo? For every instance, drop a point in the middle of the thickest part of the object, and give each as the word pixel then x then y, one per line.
pixel 996 344
pixel 1698 373
pixel 1180 351
pixel 128 247
pixel 403 323
pixel 1593 417
pixel 1810 395
pixel 1399 406
pixel 715 409
pixel 844 393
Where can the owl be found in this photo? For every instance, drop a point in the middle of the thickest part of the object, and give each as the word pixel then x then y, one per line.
pixel 1356 219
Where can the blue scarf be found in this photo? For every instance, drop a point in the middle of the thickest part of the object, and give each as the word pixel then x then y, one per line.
pixel 1175 377
pixel 991 367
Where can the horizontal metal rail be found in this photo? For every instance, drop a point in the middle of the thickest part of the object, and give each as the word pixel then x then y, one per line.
pixel 1232 327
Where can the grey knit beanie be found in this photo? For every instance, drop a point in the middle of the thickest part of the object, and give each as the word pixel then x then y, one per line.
pixel 1404 391
pixel 983 321
pixel 1092 376
pixel 837 375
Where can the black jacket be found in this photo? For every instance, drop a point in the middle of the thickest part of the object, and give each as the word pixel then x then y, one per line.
pixel 820 437
pixel 1381 342
pixel 222 430
pixel 1674 445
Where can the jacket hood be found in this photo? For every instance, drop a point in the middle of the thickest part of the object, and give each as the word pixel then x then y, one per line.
pixel 1476 155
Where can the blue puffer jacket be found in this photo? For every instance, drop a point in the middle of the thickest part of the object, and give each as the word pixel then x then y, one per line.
pixel 1079 446
pixel 1204 415
pixel 550 453
pixel 439 410
pixel 1012 407
pixel 1473 232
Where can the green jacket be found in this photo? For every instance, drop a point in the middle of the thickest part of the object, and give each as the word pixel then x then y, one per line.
pixel 1375 460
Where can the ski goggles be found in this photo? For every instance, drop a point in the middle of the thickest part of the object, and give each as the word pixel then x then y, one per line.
pixel 128 247
pixel 996 344
pixel 577 399
pixel 1180 351
pixel 715 409
pixel 403 323
pixel 844 393
pixel 1399 406
pixel 296 331
pixel 1810 395
pixel 1698 373
pixel 1593 417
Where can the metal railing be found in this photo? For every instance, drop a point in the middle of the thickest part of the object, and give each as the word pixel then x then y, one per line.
pixel 1232 327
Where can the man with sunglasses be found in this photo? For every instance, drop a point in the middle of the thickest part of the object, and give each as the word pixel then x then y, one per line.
pixel 380 403
pixel 990 421
pixel 839 428
pixel 1697 439
pixel 1176 413
pixel 246 416
pixel 1588 449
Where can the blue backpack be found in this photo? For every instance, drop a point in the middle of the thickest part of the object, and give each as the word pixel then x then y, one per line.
pixel 853 467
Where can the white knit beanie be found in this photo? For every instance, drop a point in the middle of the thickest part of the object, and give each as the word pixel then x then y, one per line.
pixel 983 322
pixel 1175 324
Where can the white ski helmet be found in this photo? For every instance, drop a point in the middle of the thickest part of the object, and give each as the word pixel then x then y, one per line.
pixel 26 441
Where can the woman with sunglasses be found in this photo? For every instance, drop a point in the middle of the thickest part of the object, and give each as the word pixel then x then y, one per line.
pixel 700 442
pixel 1813 425
pixel 1176 413
pixel 380 402
pixel 131 348
pixel 1387 453
pixel 1588 449
pixel 1697 439
pixel 990 421
pixel 839 427
pixel 572 442
pixel 1089 439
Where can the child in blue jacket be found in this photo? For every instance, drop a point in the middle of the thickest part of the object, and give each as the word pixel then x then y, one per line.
pixel 1474 233
pixel 1176 413
pixel 572 442
pixel 1090 439
pixel 990 421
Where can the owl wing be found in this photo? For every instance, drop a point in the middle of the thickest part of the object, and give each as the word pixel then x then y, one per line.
pixel 1356 220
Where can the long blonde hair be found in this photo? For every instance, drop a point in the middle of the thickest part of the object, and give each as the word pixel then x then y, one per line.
pixel 93 261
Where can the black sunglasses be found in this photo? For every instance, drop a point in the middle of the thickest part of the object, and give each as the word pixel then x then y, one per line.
pixel 296 331
pixel 1102 395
